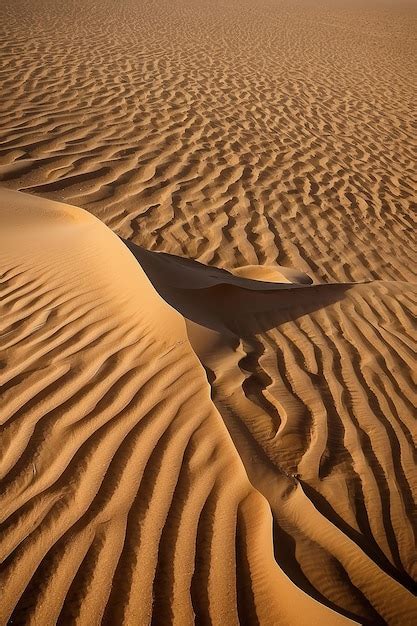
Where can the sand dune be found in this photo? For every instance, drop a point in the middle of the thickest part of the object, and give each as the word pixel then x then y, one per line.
pixel 315 385
pixel 207 312
pixel 135 489
pixel 123 497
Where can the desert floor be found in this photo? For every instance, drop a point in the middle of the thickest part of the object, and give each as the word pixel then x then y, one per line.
pixel 207 312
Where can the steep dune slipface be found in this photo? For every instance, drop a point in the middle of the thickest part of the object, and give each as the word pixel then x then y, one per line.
pixel 316 387
pixel 123 500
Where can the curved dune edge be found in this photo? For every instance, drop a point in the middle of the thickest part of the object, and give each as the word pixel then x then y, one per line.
pixel 315 385
pixel 273 273
pixel 122 494
pixel 187 274
pixel 130 496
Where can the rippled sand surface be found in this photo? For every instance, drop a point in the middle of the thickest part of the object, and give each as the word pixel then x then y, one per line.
pixel 209 418
pixel 232 132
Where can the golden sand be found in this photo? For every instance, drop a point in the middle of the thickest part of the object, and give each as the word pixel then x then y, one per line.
pixel 207 313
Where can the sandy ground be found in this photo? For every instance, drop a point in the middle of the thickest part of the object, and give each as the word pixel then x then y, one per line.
pixel 207 409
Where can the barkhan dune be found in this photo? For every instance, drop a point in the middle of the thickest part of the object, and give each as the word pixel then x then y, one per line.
pixel 207 312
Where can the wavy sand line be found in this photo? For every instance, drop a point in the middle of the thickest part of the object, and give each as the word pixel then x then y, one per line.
pixel 123 497
pixel 307 380
pixel 246 133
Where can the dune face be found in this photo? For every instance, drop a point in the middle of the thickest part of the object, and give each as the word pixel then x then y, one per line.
pixel 136 489
pixel 207 312
pixel 316 388
pixel 123 497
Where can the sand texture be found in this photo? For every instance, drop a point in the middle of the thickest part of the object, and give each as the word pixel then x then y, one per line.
pixel 240 132
pixel 131 495
pixel 207 313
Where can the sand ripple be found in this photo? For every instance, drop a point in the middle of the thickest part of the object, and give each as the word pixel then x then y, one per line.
pixel 239 133
pixel 277 488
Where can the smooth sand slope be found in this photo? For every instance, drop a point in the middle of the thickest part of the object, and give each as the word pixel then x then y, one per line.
pixel 134 491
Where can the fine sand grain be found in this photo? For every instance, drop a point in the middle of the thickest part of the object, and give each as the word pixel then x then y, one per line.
pixel 207 312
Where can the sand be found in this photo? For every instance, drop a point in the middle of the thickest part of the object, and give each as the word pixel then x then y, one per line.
pixel 207 311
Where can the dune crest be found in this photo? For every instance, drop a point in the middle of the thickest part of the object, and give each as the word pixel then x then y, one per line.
pixel 207 312
pixel 316 387
pixel 135 491
pixel 272 273
pixel 123 497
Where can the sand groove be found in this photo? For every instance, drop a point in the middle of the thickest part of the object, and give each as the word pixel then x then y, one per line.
pixel 307 380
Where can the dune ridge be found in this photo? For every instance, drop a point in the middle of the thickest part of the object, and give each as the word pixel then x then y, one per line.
pixel 207 312
pixel 318 393
pixel 137 489
pixel 123 499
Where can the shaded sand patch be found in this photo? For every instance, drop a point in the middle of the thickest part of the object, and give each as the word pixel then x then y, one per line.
pixel 316 387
